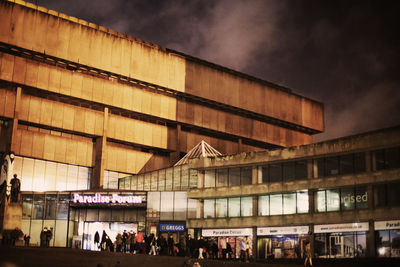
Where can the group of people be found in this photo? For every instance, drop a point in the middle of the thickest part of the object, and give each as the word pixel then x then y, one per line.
pixel 45 236
pixel 130 242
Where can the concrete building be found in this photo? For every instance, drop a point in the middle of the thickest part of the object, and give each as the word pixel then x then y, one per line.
pixel 82 106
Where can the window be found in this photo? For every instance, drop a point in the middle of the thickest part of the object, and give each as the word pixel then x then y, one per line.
pixel 332 200
pixel 193 178
pixel 209 208
pixel 222 177
pixel 62 206
pixel 246 206
pixel 209 178
pixel 275 204
pixel 264 170
pixel 347 199
pixel 234 176
pixel 341 199
pixel 288 171
pixel 275 173
pixel 346 164
pixel 263 205
pixel 301 170
pixel 180 206
pixel 154 181
pixel 177 178
pixel 289 203
pixel 51 202
pixel 168 179
pixel 26 206
pixel 221 205
pixel 161 180
pixel 302 201
pixel 387 158
pixel 331 166
pixel 167 206
pixel 38 206
pixel 246 176
pixel 359 162
pixel 387 195
pixel 319 164
pixel 147 182
pixel 184 178
pixel 320 201
pixel 234 207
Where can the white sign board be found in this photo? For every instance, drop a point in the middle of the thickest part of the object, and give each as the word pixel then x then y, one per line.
pixel 344 227
pixel 288 230
pixel 227 232
pixel 387 225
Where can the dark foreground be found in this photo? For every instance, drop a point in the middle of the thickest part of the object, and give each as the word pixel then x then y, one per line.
pixel 52 257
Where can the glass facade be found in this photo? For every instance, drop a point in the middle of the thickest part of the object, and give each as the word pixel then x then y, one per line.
pixel 340 245
pixel 280 204
pixel 228 207
pixel 40 176
pixel 387 195
pixel 387 243
pixel 341 199
pixel 388 158
pixel 339 165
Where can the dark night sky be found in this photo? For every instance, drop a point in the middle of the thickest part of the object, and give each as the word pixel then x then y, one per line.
pixel 342 53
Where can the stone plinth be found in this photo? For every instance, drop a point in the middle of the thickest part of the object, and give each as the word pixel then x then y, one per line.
pixel 13 216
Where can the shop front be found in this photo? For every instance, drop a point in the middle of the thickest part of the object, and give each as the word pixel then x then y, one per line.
pixel 347 240
pixel 229 240
pixel 387 238
pixel 281 242
pixel 176 230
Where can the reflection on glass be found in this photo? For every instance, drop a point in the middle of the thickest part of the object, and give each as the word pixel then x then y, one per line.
pixel 289 203
pixel 209 208
pixel 38 206
pixel 193 208
pixel 62 206
pixel 347 200
pixel 27 200
pixel 246 206
pixel 263 205
pixel 319 168
pixel 361 197
pixel 221 205
pixel 167 205
pixel 50 211
pixel 302 201
pixel 320 201
pixel 275 204
pixel 234 207
pixel 180 206
pixel 332 200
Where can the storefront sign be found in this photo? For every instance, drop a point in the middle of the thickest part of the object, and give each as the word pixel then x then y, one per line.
pixel 172 227
pixel 387 225
pixel 106 199
pixel 288 230
pixel 227 232
pixel 344 227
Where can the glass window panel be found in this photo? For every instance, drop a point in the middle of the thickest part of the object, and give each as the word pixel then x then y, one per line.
pixel 209 178
pixel 27 174
pixel 319 168
pixel 184 177
pixel 92 215
pixel 302 201
pixel 113 180
pixel 147 182
pixel 275 173
pixel 133 182
pixel 380 195
pixel 51 206
pixel 222 177
pixel 180 206
pixel 392 158
pixel 167 205
pixel 394 241
pixel 36 227
pixel 265 178
pixel 60 237
pixel 193 178
pixel 301 170
pixel 105 215
pixel 361 197
pixel 17 168
pixel 393 196
pixel 27 201
pixel 320 201
pixel 177 178
pixel 234 177
pixel 38 176
pixel 275 205
pixel 161 180
pixel 263 205
pixel 209 208
pixel 117 215
pixel 153 201
pixel 379 159
pixel 61 184
pixel 50 176
pixel 332 166
pixel 361 248
pixel 234 207
pixel 62 206
pixel 382 243
pixel 346 164
pixel 359 162
pixel 288 171
pixel 246 206
pixel 347 199
pixel 130 215
pixel 72 177
pixel 168 180
pixel 154 181
pixel 38 206
pixel 140 182
pixel 193 208
pixel 289 203
pixel 84 175
pixel 246 176
pixel 82 215
pixel 332 200
pixel 221 206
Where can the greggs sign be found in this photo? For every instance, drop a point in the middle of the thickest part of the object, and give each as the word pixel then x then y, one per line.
pixel 106 199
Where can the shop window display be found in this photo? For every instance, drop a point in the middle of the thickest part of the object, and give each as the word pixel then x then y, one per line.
pixel 281 246
pixel 388 243
pixel 340 245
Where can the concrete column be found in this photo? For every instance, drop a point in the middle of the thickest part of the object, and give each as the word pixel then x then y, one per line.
pixel 311 238
pixel 12 145
pixel 370 191
pixel 175 156
pixel 100 156
pixel 255 249
pixel 371 250
pixel 254 175
pixel 201 206
pixel 255 206
pixel 310 168
pixel 311 201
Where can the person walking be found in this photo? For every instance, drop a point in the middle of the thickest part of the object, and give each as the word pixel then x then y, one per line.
pixel 153 243
pixel 119 242
pixel 308 257
pixel 96 240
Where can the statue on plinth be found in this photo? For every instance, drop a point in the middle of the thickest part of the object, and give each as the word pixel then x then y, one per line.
pixel 15 189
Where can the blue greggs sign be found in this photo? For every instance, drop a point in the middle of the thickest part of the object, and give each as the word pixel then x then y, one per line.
pixel 172 227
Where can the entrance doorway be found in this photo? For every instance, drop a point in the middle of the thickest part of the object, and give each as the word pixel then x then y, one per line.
pixel 111 229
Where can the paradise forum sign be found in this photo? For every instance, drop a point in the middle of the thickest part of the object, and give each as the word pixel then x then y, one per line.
pixel 115 198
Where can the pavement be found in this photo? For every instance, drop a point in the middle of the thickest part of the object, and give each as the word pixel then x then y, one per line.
pixel 67 257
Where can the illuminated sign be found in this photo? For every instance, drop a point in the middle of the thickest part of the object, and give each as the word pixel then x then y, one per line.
pixel 288 230
pixel 106 199
pixel 227 232
pixel 387 225
pixel 172 227
pixel 344 227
